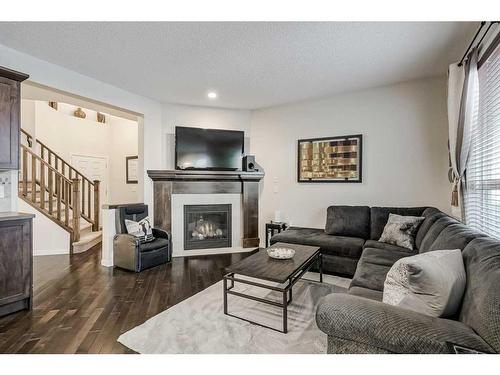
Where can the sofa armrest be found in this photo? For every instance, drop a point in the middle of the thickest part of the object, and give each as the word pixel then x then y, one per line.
pixel 390 328
pixel 160 233
pixel 125 251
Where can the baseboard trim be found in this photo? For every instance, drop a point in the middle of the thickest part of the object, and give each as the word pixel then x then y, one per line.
pixel 51 252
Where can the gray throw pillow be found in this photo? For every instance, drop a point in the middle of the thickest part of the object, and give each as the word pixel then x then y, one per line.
pixel 431 283
pixel 401 230
pixel 142 229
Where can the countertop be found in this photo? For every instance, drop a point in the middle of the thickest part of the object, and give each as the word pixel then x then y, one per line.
pixel 9 216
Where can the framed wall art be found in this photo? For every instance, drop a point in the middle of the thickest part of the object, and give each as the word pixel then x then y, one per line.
pixel 330 159
pixel 132 169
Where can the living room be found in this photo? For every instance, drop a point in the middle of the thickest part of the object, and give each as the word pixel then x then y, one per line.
pixel 298 187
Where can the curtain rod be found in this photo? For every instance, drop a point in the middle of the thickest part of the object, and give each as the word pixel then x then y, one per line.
pixel 471 42
pixel 475 36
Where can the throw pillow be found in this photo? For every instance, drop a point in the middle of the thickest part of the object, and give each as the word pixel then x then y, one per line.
pixel 401 230
pixel 142 229
pixel 431 283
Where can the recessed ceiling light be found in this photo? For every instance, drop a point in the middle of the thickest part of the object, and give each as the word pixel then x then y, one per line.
pixel 212 95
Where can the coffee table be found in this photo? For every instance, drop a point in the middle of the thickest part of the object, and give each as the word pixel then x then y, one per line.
pixel 285 272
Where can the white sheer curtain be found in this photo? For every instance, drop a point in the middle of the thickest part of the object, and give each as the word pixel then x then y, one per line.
pixel 463 89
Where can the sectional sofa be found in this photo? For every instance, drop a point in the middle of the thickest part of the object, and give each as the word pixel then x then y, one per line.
pixel 358 322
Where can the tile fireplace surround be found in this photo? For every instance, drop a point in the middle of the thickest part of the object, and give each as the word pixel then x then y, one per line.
pixel 175 188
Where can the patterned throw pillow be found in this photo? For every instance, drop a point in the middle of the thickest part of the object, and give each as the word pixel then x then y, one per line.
pixel 142 229
pixel 431 283
pixel 401 230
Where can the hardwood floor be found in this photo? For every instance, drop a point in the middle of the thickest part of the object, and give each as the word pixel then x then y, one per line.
pixel 82 307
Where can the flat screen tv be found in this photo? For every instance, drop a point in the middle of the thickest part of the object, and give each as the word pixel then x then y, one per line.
pixel 208 149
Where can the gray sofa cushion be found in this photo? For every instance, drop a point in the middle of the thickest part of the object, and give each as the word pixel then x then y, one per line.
pixel 379 216
pixel 434 231
pixel 380 327
pixel 375 295
pixel 331 245
pixel 373 267
pixel 455 236
pixel 339 265
pixel 481 302
pixel 350 221
pixel 388 246
pixel 431 215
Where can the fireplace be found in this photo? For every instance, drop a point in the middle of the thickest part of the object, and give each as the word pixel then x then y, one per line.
pixel 207 226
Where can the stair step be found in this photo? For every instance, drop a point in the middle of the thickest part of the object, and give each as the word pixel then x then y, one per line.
pixel 87 241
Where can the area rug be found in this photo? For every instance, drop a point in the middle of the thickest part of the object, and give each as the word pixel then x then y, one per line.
pixel 198 325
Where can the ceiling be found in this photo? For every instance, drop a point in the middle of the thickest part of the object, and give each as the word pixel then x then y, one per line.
pixel 249 64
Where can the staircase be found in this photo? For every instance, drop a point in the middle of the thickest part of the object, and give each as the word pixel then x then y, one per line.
pixel 60 192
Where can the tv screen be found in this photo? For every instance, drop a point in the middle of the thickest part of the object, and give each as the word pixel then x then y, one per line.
pixel 208 148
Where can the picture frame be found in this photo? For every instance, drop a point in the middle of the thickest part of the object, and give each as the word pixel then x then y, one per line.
pixel 336 159
pixel 132 165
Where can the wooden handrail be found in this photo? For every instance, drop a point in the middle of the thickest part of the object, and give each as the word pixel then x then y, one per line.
pixel 33 155
pixel 88 205
pixel 57 157
pixel 51 181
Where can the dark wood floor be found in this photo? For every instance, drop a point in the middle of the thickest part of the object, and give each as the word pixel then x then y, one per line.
pixel 82 307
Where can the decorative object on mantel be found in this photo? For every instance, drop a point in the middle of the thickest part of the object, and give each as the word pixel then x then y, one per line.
pixel 79 113
pixel 101 117
pixel 53 105
pixel 330 159
pixel 132 163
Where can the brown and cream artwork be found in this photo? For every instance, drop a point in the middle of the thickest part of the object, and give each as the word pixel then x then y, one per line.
pixel 330 159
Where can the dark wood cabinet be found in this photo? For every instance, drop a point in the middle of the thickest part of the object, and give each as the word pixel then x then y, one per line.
pixel 16 262
pixel 10 104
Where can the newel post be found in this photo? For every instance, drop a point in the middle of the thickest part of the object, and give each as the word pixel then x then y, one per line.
pixel 76 209
pixel 97 209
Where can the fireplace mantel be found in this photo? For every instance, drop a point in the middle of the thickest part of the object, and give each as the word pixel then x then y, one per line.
pixel 195 175
pixel 169 182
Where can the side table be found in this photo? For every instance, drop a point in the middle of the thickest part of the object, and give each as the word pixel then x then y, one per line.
pixel 273 227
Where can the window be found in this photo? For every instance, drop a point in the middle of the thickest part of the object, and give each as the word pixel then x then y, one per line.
pixel 482 198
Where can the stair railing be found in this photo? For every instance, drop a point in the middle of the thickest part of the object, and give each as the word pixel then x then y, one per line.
pixel 50 191
pixel 88 192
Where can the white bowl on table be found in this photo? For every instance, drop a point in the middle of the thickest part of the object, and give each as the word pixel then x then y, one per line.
pixel 280 253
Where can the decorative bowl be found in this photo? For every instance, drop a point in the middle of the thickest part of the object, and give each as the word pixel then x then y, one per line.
pixel 280 253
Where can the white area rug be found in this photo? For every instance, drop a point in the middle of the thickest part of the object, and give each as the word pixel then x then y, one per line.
pixel 198 324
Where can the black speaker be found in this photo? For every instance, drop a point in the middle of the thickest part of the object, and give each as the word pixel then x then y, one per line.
pixel 249 163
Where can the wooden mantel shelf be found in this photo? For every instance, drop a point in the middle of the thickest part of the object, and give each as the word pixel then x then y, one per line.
pixel 197 175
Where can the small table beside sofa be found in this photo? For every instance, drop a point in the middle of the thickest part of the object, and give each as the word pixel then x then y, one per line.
pixel 358 322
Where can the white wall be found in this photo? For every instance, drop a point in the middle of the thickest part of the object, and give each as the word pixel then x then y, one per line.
pixel 48 237
pixel 199 117
pixel 150 127
pixel 68 135
pixel 405 157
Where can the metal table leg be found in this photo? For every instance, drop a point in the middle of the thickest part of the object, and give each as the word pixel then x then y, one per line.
pixel 285 312
pixel 320 266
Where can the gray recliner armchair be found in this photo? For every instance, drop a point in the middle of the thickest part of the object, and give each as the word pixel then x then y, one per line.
pixel 128 252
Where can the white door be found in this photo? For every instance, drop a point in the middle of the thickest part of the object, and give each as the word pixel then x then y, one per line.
pixel 94 168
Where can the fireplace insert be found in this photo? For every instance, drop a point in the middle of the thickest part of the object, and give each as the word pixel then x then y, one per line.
pixel 207 226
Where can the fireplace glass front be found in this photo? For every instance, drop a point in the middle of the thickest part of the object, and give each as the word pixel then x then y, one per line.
pixel 207 226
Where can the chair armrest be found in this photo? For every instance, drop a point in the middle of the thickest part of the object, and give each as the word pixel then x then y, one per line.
pixel 391 328
pixel 160 233
pixel 125 251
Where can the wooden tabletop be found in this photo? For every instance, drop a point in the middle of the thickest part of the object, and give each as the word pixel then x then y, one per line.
pixel 262 266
